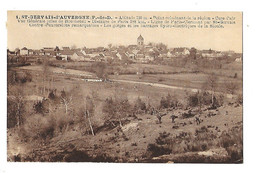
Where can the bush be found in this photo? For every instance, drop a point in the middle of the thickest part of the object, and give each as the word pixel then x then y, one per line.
pixel 161 146
pixel 232 141
pixel 139 105
pixel 11 113
pixel 44 128
pixel 235 153
pixel 239 99
pixel 219 100
pixel 168 102
pixel 16 110
pixel 117 109
pixel 205 98
pixel 38 127
pixel 38 107
pixel 204 139
pixel 51 95
pixel 157 150
pixel 193 100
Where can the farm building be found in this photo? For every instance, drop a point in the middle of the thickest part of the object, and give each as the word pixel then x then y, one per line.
pixel 66 55
pixel 77 56
pixel 24 51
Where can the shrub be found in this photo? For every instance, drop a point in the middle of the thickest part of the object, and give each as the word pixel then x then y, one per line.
pixel 219 100
pixel 235 153
pixel 168 102
pixel 161 146
pixel 51 95
pixel 38 107
pixel 16 109
pixel 193 100
pixel 163 138
pixel 157 150
pixel 232 141
pixel 38 127
pixel 44 128
pixel 117 109
pixel 205 98
pixel 231 138
pixel 239 99
pixel 11 113
pixel 139 105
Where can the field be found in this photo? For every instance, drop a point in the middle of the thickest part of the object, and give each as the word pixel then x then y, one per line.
pixel 116 120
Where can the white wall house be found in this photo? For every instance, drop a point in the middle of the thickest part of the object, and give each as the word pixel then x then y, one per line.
pixel 24 51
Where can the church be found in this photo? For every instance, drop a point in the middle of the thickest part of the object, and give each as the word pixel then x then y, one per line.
pixel 140 40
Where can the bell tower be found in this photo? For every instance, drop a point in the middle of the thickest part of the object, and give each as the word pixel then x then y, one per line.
pixel 140 40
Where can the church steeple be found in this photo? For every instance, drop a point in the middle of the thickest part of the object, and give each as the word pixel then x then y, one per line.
pixel 140 40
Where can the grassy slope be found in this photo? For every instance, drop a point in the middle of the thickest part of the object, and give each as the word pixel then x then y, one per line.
pixel 141 131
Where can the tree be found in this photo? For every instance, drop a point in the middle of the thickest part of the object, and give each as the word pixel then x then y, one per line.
pixel 45 73
pixel 100 70
pixel 66 100
pixel 116 109
pixel 89 112
pixel 168 102
pixel 193 53
pixel 139 105
pixel 122 109
pixel 109 109
pixel 161 46
pixel 16 107
pixel 211 85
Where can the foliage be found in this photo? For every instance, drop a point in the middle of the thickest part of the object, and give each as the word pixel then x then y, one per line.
pixel 232 141
pixel 116 109
pixel 193 100
pixel 203 139
pixel 38 127
pixel 15 110
pixel 100 69
pixel 38 107
pixel 168 102
pixel 16 78
pixel 52 95
pixel 193 52
pixel 139 105
pixel 45 127
pixel 15 107
pixel 160 147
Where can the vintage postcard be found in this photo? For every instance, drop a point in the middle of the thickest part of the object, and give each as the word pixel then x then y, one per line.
pixel 124 87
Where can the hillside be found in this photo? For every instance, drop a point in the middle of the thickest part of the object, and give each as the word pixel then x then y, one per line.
pixel 111 144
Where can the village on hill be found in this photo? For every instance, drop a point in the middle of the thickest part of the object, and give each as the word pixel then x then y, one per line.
pixel 139 53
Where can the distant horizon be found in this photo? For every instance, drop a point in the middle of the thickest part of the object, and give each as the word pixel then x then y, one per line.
pixel 117 45
pixel 221 39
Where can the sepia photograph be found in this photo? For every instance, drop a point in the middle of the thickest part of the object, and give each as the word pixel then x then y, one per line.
pixel 124 87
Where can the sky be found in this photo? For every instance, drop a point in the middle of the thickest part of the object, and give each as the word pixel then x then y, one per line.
pixel 228 38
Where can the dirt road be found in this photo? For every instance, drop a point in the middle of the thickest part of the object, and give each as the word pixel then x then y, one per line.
pixel 77 74
pixel 170 87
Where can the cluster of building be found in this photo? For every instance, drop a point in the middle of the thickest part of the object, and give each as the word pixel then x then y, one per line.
pixel 136 53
